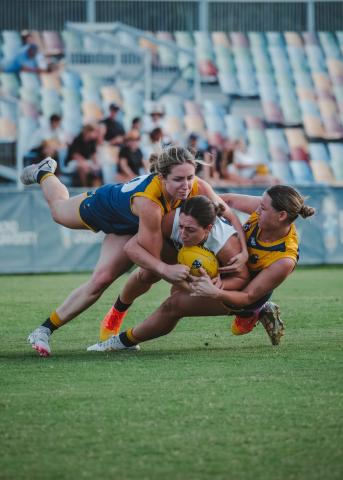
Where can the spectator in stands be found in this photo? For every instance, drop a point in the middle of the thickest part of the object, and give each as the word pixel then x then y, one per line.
pixel 83 155
pixel 203 171
pixel 136 124
pixel 108 156
pixel 114 129
pixel 51 59
pixel 47 148
pixel 131 162
pixel 249 168
pixel 52 131
pixel 226 174
pixel 154 143
pixel 27 60
pixel 47 141
pixel 154 119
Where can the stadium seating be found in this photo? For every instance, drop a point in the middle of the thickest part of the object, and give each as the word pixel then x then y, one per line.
pixel 298 79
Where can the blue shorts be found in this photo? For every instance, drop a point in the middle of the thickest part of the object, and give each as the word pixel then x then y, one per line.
pixel 100 212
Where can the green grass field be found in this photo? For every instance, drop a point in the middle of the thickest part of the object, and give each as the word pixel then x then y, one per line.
pixel 198 404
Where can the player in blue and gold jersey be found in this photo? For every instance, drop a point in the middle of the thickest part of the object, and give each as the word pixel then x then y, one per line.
pixel 122 210
pixel 273 254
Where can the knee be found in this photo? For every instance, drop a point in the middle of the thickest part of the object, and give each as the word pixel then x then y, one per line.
pixel 144 276
pixel 55 213
pixel 170 309
pixel 100 280
pixel 170 317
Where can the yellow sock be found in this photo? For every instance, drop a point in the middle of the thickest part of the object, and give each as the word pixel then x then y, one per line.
pixel 55 319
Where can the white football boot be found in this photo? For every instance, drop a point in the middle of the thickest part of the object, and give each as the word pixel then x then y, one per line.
pixel 112 344
pixel 39 340
pixel 269 317
pixel 29 174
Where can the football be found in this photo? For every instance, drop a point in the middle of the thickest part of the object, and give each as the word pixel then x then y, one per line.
pixel 197 257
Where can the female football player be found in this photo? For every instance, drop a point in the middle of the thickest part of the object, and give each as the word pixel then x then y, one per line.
pixel 273 254
pixel 120 211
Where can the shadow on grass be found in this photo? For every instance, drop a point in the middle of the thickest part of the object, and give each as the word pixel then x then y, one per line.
pixel 142 355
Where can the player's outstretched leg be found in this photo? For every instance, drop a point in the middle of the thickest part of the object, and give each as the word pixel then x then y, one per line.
pixel 269 317
pixel 112 263
pixel 34 173
pixel 64 210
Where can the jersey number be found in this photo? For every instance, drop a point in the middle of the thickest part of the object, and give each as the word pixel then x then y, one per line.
pixel 132 184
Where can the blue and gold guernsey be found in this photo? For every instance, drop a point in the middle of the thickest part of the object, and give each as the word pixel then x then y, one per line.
pixel 109 208
pixel 262 254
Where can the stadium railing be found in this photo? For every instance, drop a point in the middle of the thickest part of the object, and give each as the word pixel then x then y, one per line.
pixel 171 15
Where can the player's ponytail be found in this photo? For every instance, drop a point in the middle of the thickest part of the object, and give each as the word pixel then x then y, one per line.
pixel 306 211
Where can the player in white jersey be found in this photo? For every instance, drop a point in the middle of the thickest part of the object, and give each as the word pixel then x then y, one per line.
pixel 219 234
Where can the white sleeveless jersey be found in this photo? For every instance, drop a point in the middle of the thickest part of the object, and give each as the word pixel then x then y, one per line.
pixel 216 239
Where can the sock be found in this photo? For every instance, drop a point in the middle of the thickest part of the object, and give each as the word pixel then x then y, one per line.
pixel 121 306
pixel 127 338
pixel 41 175
pixel 53 322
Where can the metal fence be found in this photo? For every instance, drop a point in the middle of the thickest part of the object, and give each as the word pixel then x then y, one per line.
pixel 171 15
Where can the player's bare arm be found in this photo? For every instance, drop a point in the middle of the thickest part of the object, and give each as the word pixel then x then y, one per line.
pixel 230 281
pixel 145 248
pixel 266 281
pixel 243 203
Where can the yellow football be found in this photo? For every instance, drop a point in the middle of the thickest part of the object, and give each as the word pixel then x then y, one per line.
pixel 197 257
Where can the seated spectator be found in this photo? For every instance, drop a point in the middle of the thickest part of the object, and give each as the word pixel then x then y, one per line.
pixel 27 60
pixel 220 154
pixel 51 137
pixel 202 171
pixel 47 148
pixel 108 156
pixel 131 162
pixel 153 143
pixel 154 119
pixel 136 124
pixel 82 156
pixel 227 175
pixel 249 167
pixel 114 129
pixel 52 131
pixel 55 50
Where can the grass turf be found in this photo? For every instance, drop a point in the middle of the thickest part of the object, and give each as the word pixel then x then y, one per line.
pixel 197 404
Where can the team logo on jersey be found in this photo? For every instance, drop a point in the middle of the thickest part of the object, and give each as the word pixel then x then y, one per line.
pixel 246 227
pixel 253 241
